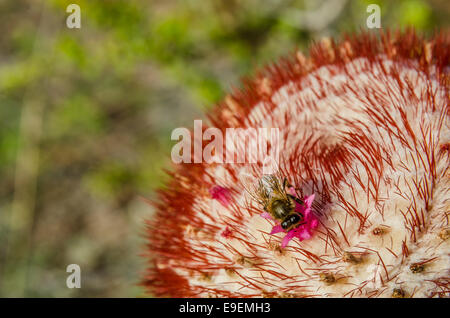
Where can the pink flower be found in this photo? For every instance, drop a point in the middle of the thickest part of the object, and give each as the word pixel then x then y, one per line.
pixel 226 233
pixel 302 232
pixel 221 194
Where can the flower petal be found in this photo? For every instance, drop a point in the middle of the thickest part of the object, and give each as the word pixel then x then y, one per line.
pixel 221 194
pixel 276 229
pixel 291 191
pixel 303 234
pixel 309 200
pixel 266 215
pixel 313 223
pixel 289 236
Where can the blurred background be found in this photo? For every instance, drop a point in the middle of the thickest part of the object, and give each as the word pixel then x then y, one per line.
pixel 86 116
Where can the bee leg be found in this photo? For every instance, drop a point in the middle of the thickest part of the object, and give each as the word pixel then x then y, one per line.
pixel 299 201
pixel 291 188
pixel 298 225
pixel 286 184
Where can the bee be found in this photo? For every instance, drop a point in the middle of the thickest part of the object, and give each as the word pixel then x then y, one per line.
pixel 270 193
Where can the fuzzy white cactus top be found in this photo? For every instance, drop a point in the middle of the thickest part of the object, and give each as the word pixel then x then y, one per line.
pixel 364 126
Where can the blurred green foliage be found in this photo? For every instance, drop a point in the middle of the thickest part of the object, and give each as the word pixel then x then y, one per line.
pixel 109 95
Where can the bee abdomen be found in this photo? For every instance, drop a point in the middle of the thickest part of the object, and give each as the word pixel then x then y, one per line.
pixel 280 209
pixel 291 221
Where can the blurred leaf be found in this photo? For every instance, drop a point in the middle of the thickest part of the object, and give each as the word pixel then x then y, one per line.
pixel 415 12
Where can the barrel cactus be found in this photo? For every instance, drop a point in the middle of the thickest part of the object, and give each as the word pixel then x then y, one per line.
pixel 364 139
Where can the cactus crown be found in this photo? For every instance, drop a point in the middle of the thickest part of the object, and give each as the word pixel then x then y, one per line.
pixel 364 128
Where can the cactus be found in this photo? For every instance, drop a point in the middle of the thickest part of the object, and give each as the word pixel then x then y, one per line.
pixel 364 131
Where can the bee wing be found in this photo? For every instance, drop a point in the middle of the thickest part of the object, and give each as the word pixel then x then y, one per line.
pixel 276 184
pixel 254 188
